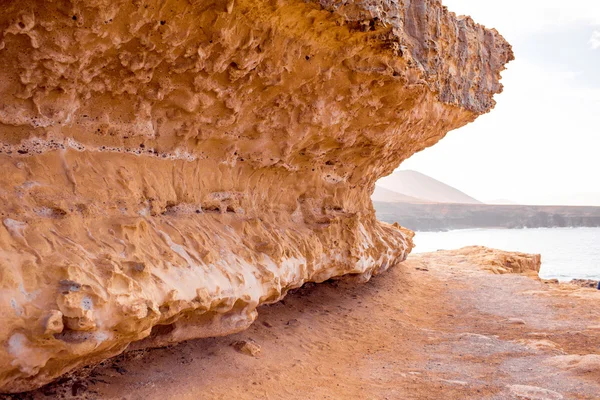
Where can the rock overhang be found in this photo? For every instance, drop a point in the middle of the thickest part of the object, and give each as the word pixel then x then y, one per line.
pixel 169 166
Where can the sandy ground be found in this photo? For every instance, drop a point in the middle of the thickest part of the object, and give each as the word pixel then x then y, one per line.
pixel 437 327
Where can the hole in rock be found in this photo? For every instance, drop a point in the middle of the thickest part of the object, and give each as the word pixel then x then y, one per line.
pixel 161 330
pixel 57 212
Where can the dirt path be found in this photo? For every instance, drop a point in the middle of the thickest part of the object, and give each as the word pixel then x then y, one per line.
pixel 437 327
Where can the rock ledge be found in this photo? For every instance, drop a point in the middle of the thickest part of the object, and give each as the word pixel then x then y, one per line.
pixel 169 166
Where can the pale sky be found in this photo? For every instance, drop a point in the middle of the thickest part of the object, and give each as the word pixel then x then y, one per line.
pixel 541 144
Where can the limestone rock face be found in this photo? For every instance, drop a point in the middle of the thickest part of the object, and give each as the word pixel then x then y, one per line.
pixel 167 166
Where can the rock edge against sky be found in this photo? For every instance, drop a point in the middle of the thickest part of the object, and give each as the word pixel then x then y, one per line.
pixel 169 166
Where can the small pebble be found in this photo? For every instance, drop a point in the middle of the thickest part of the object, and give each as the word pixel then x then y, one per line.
pixel 248 347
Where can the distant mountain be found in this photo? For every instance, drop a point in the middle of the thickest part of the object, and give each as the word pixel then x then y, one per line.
pixel 423 188
pixel 388 196
pixel 442 217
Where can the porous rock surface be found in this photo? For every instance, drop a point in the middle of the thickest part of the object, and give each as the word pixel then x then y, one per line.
pixel 167 166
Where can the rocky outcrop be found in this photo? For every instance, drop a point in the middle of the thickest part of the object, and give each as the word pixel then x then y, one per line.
pixel 169 166
pixel 586 283
pixel 499 262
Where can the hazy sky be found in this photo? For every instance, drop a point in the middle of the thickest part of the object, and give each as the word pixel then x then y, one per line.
pixel 541 144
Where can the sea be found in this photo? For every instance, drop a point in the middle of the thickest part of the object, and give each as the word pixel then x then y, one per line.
pixel 567 253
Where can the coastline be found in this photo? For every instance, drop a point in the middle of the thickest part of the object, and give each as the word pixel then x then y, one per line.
pixel 432 217
pixel 439 325
pixel 567 253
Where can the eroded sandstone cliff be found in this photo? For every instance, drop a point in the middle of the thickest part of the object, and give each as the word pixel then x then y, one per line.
pixel 167 166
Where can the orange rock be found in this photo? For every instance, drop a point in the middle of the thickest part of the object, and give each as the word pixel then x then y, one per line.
pixel 248 347
pixel 499 261
pixel 165 170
